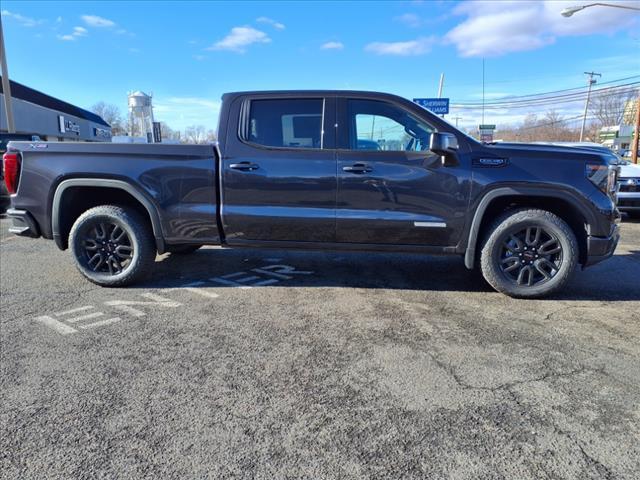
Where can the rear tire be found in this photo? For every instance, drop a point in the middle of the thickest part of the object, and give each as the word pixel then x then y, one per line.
pixel 112 246
pixel 529 253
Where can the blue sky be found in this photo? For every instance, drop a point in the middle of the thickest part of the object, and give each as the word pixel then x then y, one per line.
pixel 189 53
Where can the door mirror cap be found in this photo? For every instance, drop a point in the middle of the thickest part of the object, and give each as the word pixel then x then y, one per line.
pixel 442 143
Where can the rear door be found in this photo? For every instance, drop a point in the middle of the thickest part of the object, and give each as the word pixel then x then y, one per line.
pixel 279 170
pixel 391 188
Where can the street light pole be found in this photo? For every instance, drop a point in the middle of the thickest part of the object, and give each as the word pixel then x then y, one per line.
pixel 567 12
pixel 6 86
pixel 586 104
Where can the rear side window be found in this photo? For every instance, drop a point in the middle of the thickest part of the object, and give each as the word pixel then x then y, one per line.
pixel 286 123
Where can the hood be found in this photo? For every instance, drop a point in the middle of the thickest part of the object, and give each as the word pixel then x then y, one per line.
pixel 629 171
pixel 539 150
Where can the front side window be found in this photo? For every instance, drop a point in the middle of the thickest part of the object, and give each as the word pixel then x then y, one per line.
pixel 378 125
pixel 286 123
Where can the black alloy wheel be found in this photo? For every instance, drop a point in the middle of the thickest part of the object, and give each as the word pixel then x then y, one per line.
pixel 113 245
pixel 528 253
pixel 107 248
pixel 531 256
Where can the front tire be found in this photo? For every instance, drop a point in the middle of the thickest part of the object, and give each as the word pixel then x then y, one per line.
pixel 112 246
pixel 529 254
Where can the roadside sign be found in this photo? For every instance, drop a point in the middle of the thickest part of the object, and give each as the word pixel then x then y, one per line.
pixel 486 137
pixel 157 132
pixel 486 127
pixel 435 105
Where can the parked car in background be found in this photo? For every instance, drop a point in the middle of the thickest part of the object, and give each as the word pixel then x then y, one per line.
pixel 629 188
pixel 298 169
pixel 628 196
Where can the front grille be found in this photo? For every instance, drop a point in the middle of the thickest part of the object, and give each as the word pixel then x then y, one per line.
pixel 629 185
pixel 628 202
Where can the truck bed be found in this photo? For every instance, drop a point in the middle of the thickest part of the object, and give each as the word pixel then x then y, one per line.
pixel 176 181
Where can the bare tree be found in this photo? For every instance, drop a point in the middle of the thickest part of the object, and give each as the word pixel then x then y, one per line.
pixel 169 133
pixel 111 114
pixel 608 106
pixel 198 134
pixel 550 128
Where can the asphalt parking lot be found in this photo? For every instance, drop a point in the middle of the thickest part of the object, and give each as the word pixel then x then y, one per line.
pixel 275 364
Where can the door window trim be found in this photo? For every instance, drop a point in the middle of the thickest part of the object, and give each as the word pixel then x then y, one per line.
pixel 342 113
pixel 244 124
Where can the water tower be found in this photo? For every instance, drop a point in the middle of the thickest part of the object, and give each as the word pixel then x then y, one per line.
pixel 141 115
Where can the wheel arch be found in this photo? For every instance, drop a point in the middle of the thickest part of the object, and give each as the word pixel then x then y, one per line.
pixel 560 202
pixel 63 214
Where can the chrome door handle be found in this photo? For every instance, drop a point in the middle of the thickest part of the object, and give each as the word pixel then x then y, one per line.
pixel 244 166
pixel 358 168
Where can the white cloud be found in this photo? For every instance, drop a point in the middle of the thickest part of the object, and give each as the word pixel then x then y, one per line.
pixel 239 39
pixel 80 31
pixel 77 33
pixel 96 21
pixel 21 19
pixel 273 23
pixel 498 28
pixel 199 57
pixel 410 19
pixel 419 46
pixel 332 46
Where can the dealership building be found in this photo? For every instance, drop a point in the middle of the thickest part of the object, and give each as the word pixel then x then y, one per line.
pixel 50 119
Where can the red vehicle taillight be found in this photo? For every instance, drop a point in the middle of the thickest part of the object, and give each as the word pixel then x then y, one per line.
pixel 11 168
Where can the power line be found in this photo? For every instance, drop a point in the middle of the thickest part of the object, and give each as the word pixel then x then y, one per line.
pixel 630 85
pixel 567 98
pixel 532 96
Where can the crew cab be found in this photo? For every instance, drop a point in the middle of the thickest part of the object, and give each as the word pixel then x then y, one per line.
pixel 334 170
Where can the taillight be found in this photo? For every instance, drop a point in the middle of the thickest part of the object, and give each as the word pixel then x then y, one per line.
pixel 11 167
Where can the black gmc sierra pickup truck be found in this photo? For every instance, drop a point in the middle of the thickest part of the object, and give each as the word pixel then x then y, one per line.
pixel 322 170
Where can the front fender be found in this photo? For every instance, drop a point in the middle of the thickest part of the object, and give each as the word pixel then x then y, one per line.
pixel 581 204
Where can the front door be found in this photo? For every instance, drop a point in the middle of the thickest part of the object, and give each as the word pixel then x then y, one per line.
pixel 391 188
pixel 279 181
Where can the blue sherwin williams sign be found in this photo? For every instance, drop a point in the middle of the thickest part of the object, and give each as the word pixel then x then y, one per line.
pixel 436 105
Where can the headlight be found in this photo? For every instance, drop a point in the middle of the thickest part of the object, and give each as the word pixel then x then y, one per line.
pixel 604 177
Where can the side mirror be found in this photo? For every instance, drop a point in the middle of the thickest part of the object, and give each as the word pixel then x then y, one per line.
pixel 445 145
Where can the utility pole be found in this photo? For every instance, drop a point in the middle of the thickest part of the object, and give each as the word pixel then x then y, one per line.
pixel 440 88
pixel 636 134
pixel 586 104
pixel 456 119
pixel 6 86
pixel 483 91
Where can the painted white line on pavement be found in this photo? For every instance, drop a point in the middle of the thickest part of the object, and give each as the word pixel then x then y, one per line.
pixel 101 323
pixel 272 274
pixel 125 305
pixel 56 325
pixel 74 310
pixel 267 282
pixel 84 317
pixel 194 287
